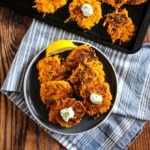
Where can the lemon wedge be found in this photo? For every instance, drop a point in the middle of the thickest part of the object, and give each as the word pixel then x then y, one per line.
pixel 59 46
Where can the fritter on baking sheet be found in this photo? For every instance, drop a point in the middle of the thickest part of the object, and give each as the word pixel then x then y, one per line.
pixel 100 89
pixel 115 3
pixel 52 90
pixel 77 55
pixel 51 68
pixel 120 26
pixel 85 73
pixel 48 6
pixel 87 13
pixel 78 109
pixel 136 2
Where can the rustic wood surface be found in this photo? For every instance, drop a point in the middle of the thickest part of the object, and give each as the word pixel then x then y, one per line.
pixel 17 131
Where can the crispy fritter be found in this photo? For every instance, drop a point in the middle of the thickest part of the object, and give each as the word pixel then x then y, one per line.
pixel 77 15
pixel 48 6
pixel 136 2
pixel 85 73
pixel 120 26
pixel 50 68
pixel 77 106
pixel 52 90
pixel 100 89
pixel 115 3
pixel 77 55
pixel 119 3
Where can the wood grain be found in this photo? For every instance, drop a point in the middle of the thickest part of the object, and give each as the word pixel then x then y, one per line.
pixel 17 131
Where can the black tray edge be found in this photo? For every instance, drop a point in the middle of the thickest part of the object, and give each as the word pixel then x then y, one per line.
pixel 142 31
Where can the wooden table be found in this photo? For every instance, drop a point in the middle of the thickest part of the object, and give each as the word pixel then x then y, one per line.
pixel 17 131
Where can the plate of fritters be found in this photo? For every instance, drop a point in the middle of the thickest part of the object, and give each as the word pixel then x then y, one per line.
pixel 71 92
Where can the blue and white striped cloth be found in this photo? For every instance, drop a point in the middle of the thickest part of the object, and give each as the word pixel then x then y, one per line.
pixel 132 108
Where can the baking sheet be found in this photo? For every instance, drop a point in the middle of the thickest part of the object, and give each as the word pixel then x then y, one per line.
pixel 139 14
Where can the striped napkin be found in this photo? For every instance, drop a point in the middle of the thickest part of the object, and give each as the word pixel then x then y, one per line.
pixel 132 108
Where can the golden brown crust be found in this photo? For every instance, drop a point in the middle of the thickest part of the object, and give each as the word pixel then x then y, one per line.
pixel 99 88
pixel 77 15
pixel 115 3
pixel 48 6
pixel 136 2
pixel 77 106
pixel 120 26
pixel 50 68
pixel 85 73
pixel 78 55
pixel 120 3
pixel 52 90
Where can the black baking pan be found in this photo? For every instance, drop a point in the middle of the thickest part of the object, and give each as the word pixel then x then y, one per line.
pixel 139 14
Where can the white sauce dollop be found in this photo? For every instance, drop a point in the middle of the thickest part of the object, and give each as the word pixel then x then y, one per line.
pixel 95 98
pixel 67 113
pixel 87 10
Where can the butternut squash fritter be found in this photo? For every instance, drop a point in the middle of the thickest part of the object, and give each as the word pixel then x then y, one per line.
pixel 78 108
pixel 78 55
pixel 85 73
pixel 119 3
pixel 115 3
pixel 120 26
pixel 51 68
pixel 99 88
pixel 48 6
pixel 52 90
pixel 84 21
pixel 136 2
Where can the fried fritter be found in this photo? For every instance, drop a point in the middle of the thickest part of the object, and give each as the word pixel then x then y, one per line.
pixel 51 68
pixel 52 90
pixel 136 2
pixel 48 6
pixel 78 55
pixel 77 106
pixel 99 88
pixel 119 3
pixel 115 3
pixel 120 26
pixel 76 14
pixel 85 73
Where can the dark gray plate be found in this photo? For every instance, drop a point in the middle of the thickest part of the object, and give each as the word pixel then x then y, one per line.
pixel 38 109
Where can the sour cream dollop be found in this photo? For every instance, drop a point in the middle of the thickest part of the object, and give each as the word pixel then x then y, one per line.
pixel 67 113
pixel 96 98
pixel 87 10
